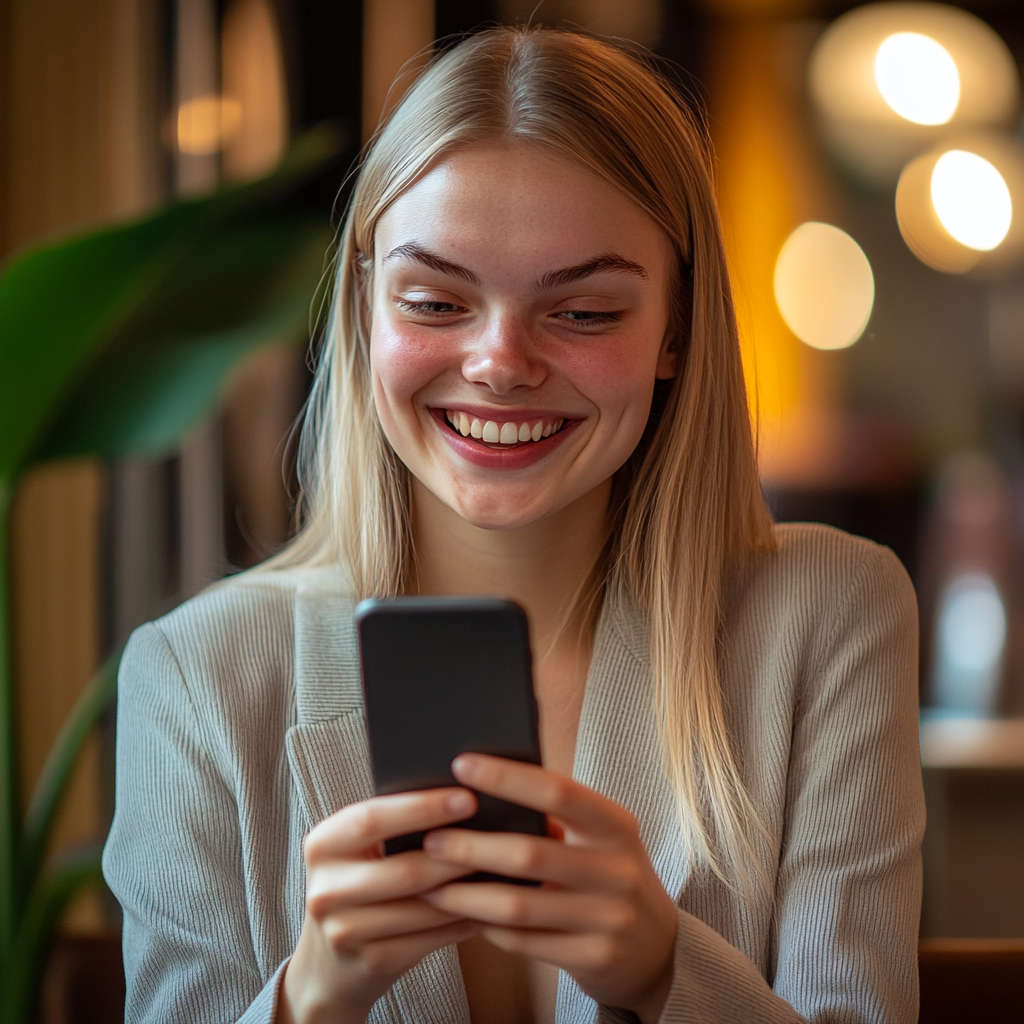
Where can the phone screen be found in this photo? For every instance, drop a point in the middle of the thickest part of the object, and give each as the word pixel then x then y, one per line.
pixel 443 676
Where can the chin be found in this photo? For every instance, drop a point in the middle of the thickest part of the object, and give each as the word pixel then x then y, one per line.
pixel 508 514
pixel 492 520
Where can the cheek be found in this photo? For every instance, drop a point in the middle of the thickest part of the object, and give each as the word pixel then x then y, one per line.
pixel 402 360
pixel 618 379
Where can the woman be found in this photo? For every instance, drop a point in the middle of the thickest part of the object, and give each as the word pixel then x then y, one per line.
pixel 531 386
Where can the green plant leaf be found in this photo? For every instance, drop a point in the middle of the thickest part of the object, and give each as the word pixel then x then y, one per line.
pixel 93 321
pixel 246 286
pixel 57 305
pixel 60 763
pixel 52 893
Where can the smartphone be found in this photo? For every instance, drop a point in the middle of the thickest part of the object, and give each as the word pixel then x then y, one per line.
pixel 444 676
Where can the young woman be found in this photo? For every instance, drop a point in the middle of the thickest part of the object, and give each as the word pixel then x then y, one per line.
pixel 531 386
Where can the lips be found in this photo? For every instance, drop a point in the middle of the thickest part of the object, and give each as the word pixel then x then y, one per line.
pixel 475 446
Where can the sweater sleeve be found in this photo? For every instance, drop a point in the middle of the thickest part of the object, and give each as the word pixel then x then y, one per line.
pixel 173 857
pixel 848 888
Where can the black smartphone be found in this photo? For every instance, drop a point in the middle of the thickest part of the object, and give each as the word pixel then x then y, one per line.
pixel 444 676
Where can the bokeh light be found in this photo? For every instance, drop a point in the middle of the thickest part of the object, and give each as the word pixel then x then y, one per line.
pixel 971 199
pixel 970 641
pixel 917 78
pixel 956 205
pixel 206 123
pixel 824 287
pixel 891 80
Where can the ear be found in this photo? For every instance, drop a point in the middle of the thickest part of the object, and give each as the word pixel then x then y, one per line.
pixel 668 357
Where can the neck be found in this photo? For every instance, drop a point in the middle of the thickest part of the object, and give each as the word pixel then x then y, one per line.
pixel 544 566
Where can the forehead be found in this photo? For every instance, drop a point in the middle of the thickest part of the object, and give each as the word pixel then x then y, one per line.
pixel 494 198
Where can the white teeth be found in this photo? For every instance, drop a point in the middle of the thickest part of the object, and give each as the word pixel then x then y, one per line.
pixel 491 432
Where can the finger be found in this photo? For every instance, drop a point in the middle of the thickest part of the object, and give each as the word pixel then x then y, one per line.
pixel 356 926
pixel 533 857
pixel 361 827
pixel 574 953
pixel 359 882
pixel 529 785
pixel 394 956
pixel 516 906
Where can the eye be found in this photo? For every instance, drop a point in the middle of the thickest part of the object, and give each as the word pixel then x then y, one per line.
pixel 429 309
pixel 589 317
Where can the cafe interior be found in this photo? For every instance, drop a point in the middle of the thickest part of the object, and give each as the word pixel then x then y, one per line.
pixel 870 175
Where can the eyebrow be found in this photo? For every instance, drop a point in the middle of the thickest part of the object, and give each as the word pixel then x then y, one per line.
pixel 606 263
pixel 418 254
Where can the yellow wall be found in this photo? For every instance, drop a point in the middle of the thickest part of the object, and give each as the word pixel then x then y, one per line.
pixel 770 180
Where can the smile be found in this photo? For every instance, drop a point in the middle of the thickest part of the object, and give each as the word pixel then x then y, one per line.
pixel 506 435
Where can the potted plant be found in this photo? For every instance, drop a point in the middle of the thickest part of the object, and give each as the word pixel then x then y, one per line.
pixel 116 343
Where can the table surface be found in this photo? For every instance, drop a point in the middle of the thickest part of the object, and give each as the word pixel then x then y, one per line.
pixel 972 743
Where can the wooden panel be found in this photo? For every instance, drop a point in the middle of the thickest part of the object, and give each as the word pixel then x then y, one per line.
pixel 79 96
pixel 393 32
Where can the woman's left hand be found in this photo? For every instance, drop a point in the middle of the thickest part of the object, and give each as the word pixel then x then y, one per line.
pixel 601 913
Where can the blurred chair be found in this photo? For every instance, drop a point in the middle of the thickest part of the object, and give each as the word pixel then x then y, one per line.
pixel 967 981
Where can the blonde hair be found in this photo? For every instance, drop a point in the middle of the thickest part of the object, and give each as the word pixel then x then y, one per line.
pixel 687 504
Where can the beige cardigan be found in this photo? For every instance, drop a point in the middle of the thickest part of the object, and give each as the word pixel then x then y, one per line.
pixel 240 725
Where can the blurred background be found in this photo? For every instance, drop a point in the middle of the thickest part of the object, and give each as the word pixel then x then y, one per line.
pixel 871 180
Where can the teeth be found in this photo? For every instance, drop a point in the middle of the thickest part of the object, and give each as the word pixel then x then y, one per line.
pixel 491 432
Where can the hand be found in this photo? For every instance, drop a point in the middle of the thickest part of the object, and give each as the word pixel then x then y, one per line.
pixel 366 923
pixel 601 914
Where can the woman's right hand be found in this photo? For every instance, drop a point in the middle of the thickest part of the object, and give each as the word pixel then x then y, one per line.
pixel 365 923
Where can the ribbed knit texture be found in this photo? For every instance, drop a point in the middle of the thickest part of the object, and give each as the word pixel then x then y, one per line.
pixel 240 725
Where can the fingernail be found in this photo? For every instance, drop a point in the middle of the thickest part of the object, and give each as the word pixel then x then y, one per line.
pixel 460 802
pixel 433 843
pixel 466 766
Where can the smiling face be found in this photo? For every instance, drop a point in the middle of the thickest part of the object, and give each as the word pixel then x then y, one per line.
pixel 519 311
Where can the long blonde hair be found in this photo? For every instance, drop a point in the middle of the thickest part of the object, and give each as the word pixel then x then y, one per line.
pixel 687 504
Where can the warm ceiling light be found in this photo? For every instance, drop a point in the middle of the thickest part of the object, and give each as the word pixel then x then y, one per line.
pixel 971 200
pixel 887 78
pixel 917 78
pixel 955 205
pixel 824 287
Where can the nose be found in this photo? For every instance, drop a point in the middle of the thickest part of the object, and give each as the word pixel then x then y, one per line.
pixel 503 357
